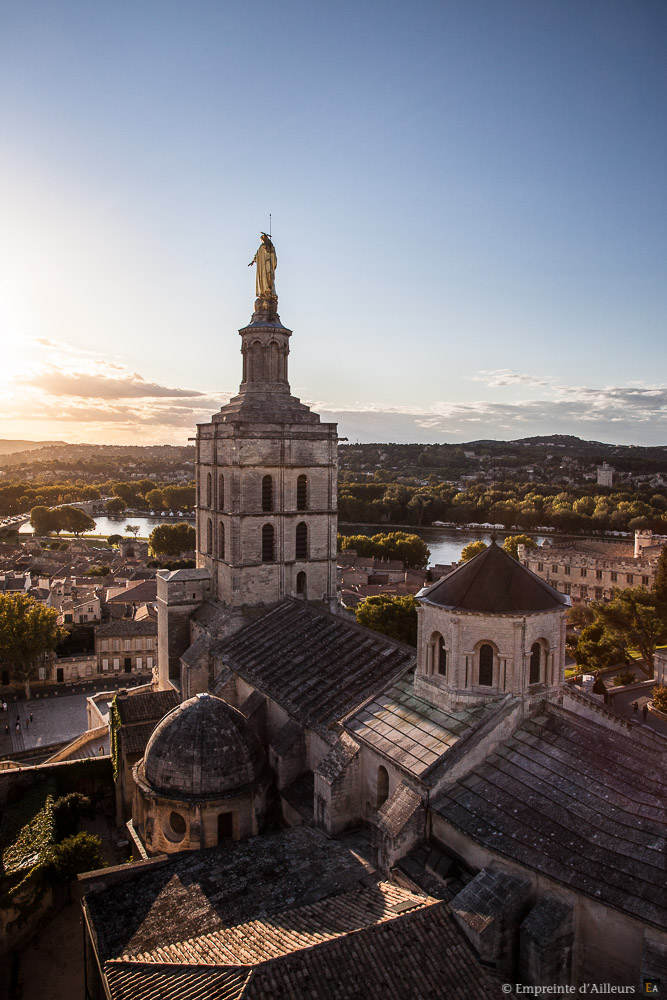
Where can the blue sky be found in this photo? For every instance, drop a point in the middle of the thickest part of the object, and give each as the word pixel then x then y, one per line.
pixel 467 200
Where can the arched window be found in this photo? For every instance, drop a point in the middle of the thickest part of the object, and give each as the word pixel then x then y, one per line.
pixel 438 655
pixel 382 786
pixel 301 550
pixel 221 492
pixel 257 362
pixel 267 543
pixel 274 361
pixel 209 487
pixel 209 536
pixel 267 493
pixel 442 657
pixel 301 585
pixel 302 493
pixel 221 540
pixel 535 663
pixel 486 665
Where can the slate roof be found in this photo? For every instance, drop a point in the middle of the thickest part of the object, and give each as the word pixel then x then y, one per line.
pixel 405 728
pixel 494 583
pixel 316 665
pixel 148 706
pixel 316 925
pixel 135 738
pixel 581 803
pixel 127 626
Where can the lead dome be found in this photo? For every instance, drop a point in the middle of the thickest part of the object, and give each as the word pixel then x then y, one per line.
pixel 202 748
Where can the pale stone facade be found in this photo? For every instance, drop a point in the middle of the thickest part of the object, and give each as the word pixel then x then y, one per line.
pixel 586 573
pixel 460 636
pixel 266 473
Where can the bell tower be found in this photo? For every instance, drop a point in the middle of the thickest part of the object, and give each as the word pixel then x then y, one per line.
pixel 266 474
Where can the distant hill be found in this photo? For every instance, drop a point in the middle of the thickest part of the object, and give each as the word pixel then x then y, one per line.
pixel 8 447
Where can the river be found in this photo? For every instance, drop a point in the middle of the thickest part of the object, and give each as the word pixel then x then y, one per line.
pixel 107 525
pixel 445 543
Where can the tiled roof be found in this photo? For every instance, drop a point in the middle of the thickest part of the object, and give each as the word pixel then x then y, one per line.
pixel 318 666
pixel 313 928
pixel 134 738
pixel 137 981
pixel 266 938
pixel 420 955
pixel 138 593
pixel 408 730
pixel 203 747
pixel 148 706
pixel 127 626
pixel 576 801
pixel 202 891
pixel 494 583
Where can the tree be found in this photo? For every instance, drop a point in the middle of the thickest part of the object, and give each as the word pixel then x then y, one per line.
pixel 512 543
pixel 395 617
pixel 155 499
pixel 116 505
pixel 133 529
pixel 598 648
pixel 41 520
pixel 472 549
pixel 660 581
pixel 660 697
pixel 419 503
pixel 28 631
pixel 580 615
pixel 173 539
pixel 76 520
pixel 74 855
pixel 411 549
pixel 638 619
pixel 114 539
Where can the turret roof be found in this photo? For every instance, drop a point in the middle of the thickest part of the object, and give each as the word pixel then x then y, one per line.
pixel 495 583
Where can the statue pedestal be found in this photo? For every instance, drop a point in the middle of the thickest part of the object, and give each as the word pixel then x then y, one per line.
pixel 266 310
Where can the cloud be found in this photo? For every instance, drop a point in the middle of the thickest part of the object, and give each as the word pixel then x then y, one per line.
pixel 624 414
pixel 92 385
pixel 506 376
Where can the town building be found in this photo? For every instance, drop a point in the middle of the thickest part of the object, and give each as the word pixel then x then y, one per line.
pixel 127 646
pixel 605 475
pixel 589 570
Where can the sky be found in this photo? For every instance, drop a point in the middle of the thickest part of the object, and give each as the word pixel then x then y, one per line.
pixel 467 200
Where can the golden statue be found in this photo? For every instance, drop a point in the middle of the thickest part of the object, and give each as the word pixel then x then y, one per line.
pixel 267 261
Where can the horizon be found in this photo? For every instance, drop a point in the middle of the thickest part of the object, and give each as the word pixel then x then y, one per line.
pixel 341 441
pixel 467 203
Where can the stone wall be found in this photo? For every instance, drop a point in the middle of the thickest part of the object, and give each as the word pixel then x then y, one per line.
pixel 233 460
pixel 179 594
pixel 511 638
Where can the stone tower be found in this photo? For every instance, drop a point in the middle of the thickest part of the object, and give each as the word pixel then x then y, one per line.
pixel 266 473
pixel 489 629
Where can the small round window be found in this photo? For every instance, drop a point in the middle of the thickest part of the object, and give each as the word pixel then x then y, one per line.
pixel 177 825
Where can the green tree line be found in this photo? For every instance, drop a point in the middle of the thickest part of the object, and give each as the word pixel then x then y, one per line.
pixel 588 509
